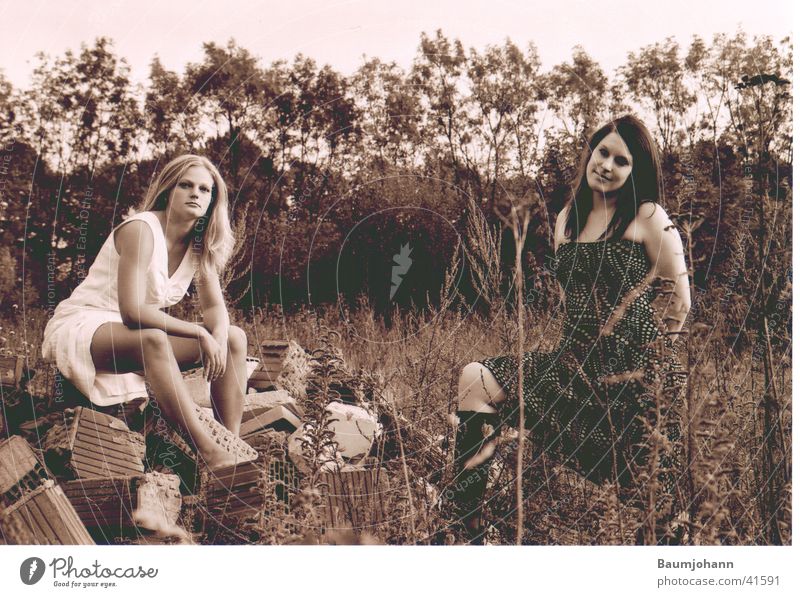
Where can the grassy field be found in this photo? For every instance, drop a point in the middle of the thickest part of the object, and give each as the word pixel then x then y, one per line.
pixel 410 367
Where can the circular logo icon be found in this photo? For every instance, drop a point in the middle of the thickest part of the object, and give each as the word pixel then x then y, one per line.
pixel 31 571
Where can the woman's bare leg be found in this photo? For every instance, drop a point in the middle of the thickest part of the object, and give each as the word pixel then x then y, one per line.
pixel 227 392
pixel 479 394
pixel 478 391
pixel 118 349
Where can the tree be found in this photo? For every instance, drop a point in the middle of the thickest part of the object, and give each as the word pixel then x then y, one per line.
pixel 654 77
pixel 390 111
pixel 439 75
pixel 507 97
pixel 171 112
pixel 80 112
pixel 578 96
pixel 230 88
pixel 7 111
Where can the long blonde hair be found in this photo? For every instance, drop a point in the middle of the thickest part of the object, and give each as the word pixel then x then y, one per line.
pixel 213 235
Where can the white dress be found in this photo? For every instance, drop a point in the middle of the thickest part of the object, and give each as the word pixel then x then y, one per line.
pixel 68 335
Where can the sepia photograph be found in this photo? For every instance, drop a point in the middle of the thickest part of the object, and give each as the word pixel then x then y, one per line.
pixel 430 274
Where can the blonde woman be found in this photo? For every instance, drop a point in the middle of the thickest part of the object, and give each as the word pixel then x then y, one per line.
pixel 112 327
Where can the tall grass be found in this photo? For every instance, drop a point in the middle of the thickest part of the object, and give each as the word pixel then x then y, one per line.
pixel 408 366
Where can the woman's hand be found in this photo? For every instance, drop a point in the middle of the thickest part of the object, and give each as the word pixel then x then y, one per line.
pixel 214 356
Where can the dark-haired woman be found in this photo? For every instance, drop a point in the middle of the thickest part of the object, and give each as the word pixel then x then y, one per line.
pixel 611 240
pixel 112 326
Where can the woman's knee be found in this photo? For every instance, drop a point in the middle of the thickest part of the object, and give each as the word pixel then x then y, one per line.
pixel 155 344
pixel 473 375
pixel 237 340
pixel 477 383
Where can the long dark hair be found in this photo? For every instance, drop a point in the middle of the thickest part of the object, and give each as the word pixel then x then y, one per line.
pixel 643 184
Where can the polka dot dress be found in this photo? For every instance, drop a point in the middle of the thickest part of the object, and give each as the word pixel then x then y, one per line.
pixel 584 400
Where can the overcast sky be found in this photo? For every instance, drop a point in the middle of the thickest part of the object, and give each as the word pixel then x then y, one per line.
pixel 341 32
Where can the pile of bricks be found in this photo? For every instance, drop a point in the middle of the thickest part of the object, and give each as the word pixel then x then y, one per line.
pixel 93 479
pixel 34 509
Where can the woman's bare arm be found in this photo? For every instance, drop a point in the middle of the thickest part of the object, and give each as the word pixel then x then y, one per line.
pixel 561 224
pixel 665 251
pixel 134 243
pixel 216 322
pixel 215 313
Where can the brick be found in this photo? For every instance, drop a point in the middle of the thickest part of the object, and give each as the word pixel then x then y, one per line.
pixel 117 506
pixel 354 497
pixel 265 400
pixel 280 418
pixel 268 441
pixel 273 354
pixel 200 389
pixel 93 444
pixel 44 517
pixel 171 448
pixel 250 490
pixel 21 471
pixel 11 371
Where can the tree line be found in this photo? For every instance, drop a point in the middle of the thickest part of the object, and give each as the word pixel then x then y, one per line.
pixel 331 175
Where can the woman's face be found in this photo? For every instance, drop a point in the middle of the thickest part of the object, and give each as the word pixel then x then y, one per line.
pixel 191 196
pixel 609 165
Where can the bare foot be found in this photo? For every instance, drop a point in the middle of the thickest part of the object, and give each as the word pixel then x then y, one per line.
pixel 219 460
pixel 158 524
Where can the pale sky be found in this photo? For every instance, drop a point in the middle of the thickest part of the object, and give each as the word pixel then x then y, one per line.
pixel 340 32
